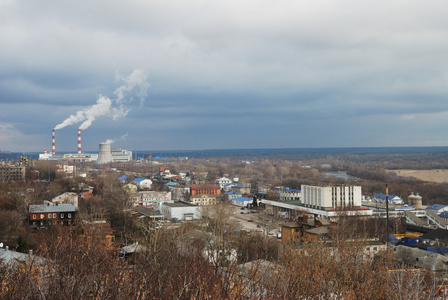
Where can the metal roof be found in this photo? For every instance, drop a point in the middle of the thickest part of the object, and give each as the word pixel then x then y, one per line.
pixel 48 207
pixel 436 206
pixel 242 199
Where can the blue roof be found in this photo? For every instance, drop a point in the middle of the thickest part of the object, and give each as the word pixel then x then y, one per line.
pixel 383 196
pixel 241 199
pixel 241 187
pixel 123 178
pixel 171 183
pixel 436 206
pixel 292 190
pixel 444 214
pixel 232 193
pixel 139 179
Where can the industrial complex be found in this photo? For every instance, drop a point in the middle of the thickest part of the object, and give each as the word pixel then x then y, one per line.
pixel 105 154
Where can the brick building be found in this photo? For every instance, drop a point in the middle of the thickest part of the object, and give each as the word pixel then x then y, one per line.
pixel 209 189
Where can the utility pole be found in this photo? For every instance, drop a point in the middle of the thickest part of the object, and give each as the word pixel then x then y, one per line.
pixel 387 212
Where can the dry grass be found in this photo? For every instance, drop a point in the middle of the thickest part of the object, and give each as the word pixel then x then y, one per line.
pixel 436 175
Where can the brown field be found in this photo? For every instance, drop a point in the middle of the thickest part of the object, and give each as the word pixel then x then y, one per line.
pixel 438 176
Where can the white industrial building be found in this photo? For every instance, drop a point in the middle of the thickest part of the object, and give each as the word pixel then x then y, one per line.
pixel 337 197
pixel 121 155
pixel 290 195
pixel 181 211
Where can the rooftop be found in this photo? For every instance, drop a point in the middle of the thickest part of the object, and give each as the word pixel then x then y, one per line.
pixel 50 207
pixel 242 199
pixel 180 204
pixel 205 186
pixel 383 196
pixel 436 206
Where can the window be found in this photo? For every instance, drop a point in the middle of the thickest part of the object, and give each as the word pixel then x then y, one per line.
pixel 42 216
pixel 375 248
pixel 62 216
pixel 49 216
pixel 69 216
pixel 54 216
pixel 368 249
pixel 34 216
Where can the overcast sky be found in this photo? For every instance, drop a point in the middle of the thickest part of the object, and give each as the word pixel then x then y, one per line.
pixel 169 75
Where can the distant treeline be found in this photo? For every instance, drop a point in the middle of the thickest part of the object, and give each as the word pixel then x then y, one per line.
pixel 305 153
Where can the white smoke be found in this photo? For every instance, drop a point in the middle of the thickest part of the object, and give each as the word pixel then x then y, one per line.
pixel 111 141
pixel 135 84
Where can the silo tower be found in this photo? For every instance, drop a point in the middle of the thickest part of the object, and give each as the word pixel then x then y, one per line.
pixel 105 155
pixel 415 201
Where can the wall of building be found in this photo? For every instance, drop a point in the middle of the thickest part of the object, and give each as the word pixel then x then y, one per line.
pixel 181 212
pixel 331 197
pixel 203 200
pixel 12 173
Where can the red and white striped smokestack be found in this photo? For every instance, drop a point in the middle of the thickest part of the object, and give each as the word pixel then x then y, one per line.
pixel 79 141
pixel 54 147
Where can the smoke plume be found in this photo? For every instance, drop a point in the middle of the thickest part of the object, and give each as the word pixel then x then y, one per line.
pixel 134 85
pixel 111 141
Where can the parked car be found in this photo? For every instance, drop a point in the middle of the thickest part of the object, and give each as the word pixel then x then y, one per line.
pixel 250 220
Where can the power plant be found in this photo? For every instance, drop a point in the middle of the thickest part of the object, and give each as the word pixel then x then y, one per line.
pixel 106 154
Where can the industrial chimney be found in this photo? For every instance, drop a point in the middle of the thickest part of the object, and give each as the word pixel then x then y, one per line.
pixel 54 147
pixel 105 155
pixel 79 141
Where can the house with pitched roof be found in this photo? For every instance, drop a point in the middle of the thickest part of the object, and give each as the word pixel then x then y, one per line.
pixel 223 181
pixel 393 199
pixel 49 213
pixel 143 183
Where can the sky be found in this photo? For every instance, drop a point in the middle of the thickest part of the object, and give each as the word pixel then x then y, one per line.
pixel 193 75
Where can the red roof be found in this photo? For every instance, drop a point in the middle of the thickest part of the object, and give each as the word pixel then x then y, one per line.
pixel 205 187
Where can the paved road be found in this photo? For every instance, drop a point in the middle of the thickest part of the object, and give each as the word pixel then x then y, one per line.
pixel 249 221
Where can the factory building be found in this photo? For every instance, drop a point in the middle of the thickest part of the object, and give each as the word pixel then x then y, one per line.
pixel 121 155
pixel 337 197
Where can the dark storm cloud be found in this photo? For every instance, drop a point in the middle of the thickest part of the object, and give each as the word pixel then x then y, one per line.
pixel 258 73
